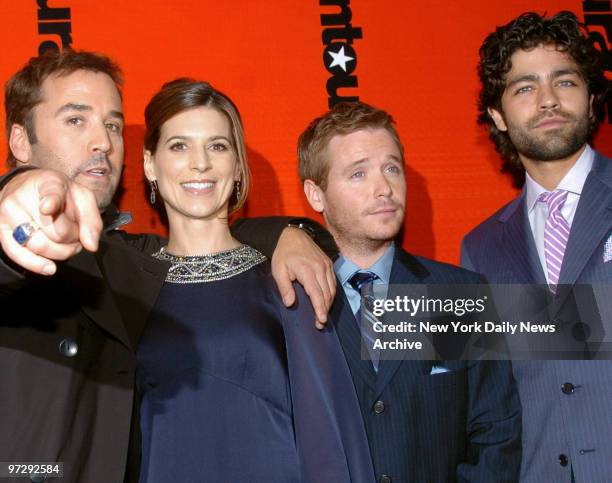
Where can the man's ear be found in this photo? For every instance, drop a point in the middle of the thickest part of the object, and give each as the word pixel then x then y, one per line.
pixel 591 113
pixel 498 119
pixel 314 195
pixel 19 144
pixel 149 167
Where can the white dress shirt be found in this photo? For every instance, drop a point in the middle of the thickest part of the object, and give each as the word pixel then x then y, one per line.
pixel 572 182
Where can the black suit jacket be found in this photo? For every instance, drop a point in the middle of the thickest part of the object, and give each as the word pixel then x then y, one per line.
pixel 461 425
pixel 67 360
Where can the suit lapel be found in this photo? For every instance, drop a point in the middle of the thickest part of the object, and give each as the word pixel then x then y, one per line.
pixel 83 275
pixel 517 244
pixel 592 221
pixel 350 337
pixel 405 270
pixel 116 287
pixel 135 279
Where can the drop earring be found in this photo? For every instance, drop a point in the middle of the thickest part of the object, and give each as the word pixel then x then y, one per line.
pixel 153 185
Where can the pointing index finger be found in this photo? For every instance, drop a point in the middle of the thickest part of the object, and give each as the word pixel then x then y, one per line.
pixel 52 193
pixel 87 215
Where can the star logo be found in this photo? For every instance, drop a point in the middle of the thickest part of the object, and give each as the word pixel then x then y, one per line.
pixel 339 58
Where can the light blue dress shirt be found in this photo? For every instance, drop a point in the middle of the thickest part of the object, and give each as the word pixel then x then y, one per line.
pixel 345 269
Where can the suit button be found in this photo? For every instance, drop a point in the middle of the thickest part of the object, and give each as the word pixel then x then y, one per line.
pixel 379 407
pixel 563 460
pixel 567 388
pixel 581 331
pixel 68 347
pixel 385 479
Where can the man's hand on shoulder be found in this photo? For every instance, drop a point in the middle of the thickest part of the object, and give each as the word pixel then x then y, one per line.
pixel 64 217
pixel 297 257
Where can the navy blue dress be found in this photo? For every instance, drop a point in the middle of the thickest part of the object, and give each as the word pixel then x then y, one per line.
pixel 216 398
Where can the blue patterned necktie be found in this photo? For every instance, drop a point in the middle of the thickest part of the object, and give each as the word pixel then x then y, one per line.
pixel 362 283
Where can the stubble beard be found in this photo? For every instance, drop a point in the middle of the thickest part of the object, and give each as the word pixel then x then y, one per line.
pixel 349 239
pixel 43 157
pixel 549 146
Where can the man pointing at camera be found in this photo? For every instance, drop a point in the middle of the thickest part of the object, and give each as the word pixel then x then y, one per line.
pixel 72 318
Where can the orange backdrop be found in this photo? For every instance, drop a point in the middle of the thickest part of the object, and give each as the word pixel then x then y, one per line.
pixel 416 59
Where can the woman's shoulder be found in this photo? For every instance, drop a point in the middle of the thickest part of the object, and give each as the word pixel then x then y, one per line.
pixel 263 271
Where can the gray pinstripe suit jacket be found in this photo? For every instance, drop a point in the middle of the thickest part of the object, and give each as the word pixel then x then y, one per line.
pixel 573 428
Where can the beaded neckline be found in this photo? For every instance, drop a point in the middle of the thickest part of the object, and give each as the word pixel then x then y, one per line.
pixel 210 267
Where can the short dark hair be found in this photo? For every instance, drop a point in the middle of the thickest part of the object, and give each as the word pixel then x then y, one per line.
pixel 22 92
pixel 526 32
pixel 344 118
pixel 183 94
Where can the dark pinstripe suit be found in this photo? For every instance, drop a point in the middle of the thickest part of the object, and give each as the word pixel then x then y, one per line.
pixel 573 428
pixel 462 425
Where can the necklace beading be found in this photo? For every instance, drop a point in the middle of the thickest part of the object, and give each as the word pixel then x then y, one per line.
pixel 211 267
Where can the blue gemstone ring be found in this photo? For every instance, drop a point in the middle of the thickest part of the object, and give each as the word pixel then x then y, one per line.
pixel 24 232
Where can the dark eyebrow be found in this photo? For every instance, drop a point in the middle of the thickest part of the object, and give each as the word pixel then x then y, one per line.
pixel 187 138
pixel 535 77
pixel 562 72
pixel 71 106
pixel 216 138
pixel 117 114
pixel 176 138
pixel 522 78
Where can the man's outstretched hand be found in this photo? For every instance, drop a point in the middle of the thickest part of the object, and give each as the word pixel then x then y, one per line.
pixel 65 216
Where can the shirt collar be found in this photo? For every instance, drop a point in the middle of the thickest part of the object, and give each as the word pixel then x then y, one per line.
pixel 114 219
pixel 345 268
pixel 573 181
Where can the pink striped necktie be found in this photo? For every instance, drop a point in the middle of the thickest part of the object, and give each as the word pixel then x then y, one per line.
pixel 556 234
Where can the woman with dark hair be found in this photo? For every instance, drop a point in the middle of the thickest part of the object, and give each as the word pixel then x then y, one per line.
pixel 234 387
